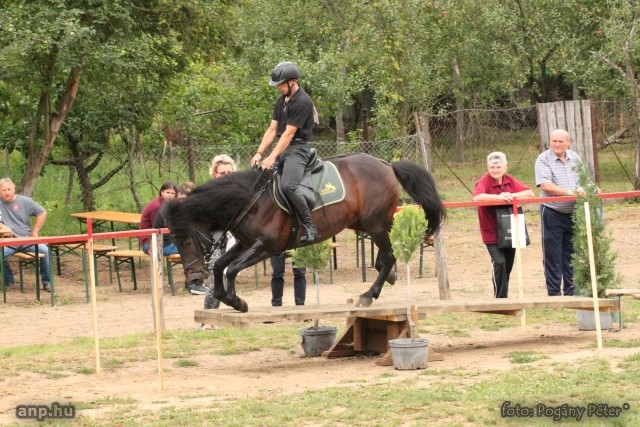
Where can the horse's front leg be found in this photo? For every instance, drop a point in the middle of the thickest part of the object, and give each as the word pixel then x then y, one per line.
pixel 217 292
pixel 384 264
pixel 245 258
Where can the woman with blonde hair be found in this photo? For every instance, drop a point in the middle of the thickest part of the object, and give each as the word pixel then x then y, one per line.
pixel 221 165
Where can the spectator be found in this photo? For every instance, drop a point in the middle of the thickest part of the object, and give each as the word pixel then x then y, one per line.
pixel 496 184
pixel 277 281
pixel 557 175
pixel 15 213
pixel 168 247
pixel 222 165
pixel 167 192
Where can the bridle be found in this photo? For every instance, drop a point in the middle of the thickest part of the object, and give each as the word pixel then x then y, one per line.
pixel 205 244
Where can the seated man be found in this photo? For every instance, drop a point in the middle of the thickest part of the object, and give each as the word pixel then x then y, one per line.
pixel 15 213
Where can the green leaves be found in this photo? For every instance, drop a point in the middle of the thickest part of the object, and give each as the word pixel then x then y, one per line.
pixel 604 256
pixel 315 257
pixel 407 232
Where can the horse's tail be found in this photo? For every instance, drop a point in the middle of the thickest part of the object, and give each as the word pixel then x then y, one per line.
pixel 420 185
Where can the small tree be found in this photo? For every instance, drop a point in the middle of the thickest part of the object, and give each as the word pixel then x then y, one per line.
pixel 406 234
pixel 604 256
pixel 316 257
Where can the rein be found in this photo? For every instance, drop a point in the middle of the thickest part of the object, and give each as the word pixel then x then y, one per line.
pixel 205 243
pixel 240 216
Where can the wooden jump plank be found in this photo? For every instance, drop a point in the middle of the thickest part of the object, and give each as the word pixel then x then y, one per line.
pixel 621 292
pixel 230 317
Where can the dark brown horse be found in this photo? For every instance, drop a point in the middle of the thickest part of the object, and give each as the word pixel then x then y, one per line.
pixel 371 199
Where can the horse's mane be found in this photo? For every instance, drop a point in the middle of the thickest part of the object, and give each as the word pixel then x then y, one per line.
pixel 215 202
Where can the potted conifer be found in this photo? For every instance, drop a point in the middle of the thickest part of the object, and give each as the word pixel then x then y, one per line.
pixel 317 338
pixel 406 235
pixel 604 256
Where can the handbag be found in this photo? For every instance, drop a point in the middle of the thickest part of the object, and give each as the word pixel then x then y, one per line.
pixel 504 225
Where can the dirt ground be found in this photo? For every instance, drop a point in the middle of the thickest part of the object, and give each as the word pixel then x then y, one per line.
pixel 278 371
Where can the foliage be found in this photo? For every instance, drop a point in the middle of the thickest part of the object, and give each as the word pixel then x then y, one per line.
pixel 407 232
pixel 604 256
pixel 316 256
pixel 46 47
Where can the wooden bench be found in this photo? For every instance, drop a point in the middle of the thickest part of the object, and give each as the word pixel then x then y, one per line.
pixel 28 258
pixel 78 248
pixel 371 328
pixel 128 256
pixel 172 260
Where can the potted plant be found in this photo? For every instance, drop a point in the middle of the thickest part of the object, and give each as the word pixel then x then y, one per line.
pixel 315 339
pixel 406 235
pixel 604 256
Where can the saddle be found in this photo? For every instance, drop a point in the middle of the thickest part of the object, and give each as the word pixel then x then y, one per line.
pixel 314 166
pixel 321 185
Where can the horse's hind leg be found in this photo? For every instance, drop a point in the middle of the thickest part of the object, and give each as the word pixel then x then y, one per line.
pixel 391 277
pixel 386 265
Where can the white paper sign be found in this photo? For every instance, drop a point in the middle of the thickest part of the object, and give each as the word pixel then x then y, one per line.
pixel 521 229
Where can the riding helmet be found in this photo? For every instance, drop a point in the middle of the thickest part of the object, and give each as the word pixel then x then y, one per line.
pixel 283 72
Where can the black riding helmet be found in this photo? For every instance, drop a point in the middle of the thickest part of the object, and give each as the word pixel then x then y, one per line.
pixel 283 72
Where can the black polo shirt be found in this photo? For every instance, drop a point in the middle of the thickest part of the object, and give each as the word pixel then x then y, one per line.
pixel 298 112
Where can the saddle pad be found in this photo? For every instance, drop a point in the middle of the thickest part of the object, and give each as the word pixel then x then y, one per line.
pixel 327 187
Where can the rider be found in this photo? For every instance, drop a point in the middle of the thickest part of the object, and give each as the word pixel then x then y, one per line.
pixel 291 123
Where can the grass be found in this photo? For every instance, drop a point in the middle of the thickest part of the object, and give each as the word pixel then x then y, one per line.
pixel 525 356
pixel 459 396
pixel 430 399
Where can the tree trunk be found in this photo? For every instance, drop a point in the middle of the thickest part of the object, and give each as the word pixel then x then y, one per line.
pixel 424 139
pixel 67 197
pixel 37 156
pixel 441 267
pixel 131 170
pixel 460 120
pixel 340 134
pixel 191 159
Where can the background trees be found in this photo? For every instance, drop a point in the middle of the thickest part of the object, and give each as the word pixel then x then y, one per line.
pixel 85 77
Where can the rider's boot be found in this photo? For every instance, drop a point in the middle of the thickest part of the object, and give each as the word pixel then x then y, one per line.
pixel 300 205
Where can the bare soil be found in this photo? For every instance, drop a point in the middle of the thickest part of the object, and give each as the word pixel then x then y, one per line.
pixel 24 321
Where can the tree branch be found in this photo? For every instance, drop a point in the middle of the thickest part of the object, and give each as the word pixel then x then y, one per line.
pixel 609 62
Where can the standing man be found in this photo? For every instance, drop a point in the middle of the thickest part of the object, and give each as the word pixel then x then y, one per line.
pixel 496 184
pixel 15 213
pixel 557 175
pixel 277 281
pixel 291 125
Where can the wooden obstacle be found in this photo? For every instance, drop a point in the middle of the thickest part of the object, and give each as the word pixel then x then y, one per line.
pixel 370 328
pixel 619 293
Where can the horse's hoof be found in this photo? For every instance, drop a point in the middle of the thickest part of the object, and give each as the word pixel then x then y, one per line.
pixel 364 302
pixel 211 302
pixel 241 306
pixel 391 277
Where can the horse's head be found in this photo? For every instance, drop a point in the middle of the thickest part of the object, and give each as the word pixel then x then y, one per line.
pixel 191 240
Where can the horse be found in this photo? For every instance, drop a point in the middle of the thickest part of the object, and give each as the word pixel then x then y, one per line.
pixel 235 203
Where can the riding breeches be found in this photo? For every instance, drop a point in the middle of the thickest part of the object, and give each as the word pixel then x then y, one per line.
pixel 294 160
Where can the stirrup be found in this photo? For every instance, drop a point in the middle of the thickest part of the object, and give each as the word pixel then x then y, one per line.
pixel 310 235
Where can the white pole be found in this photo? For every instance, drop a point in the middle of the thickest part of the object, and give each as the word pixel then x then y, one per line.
pixel 516 239
pixel 594 283
pixel 156 286
pixel 92 289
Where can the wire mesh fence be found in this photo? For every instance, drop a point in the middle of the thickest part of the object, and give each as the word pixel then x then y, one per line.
pixel 459 141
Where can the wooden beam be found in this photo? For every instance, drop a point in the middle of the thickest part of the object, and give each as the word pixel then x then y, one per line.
pixel 230 317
